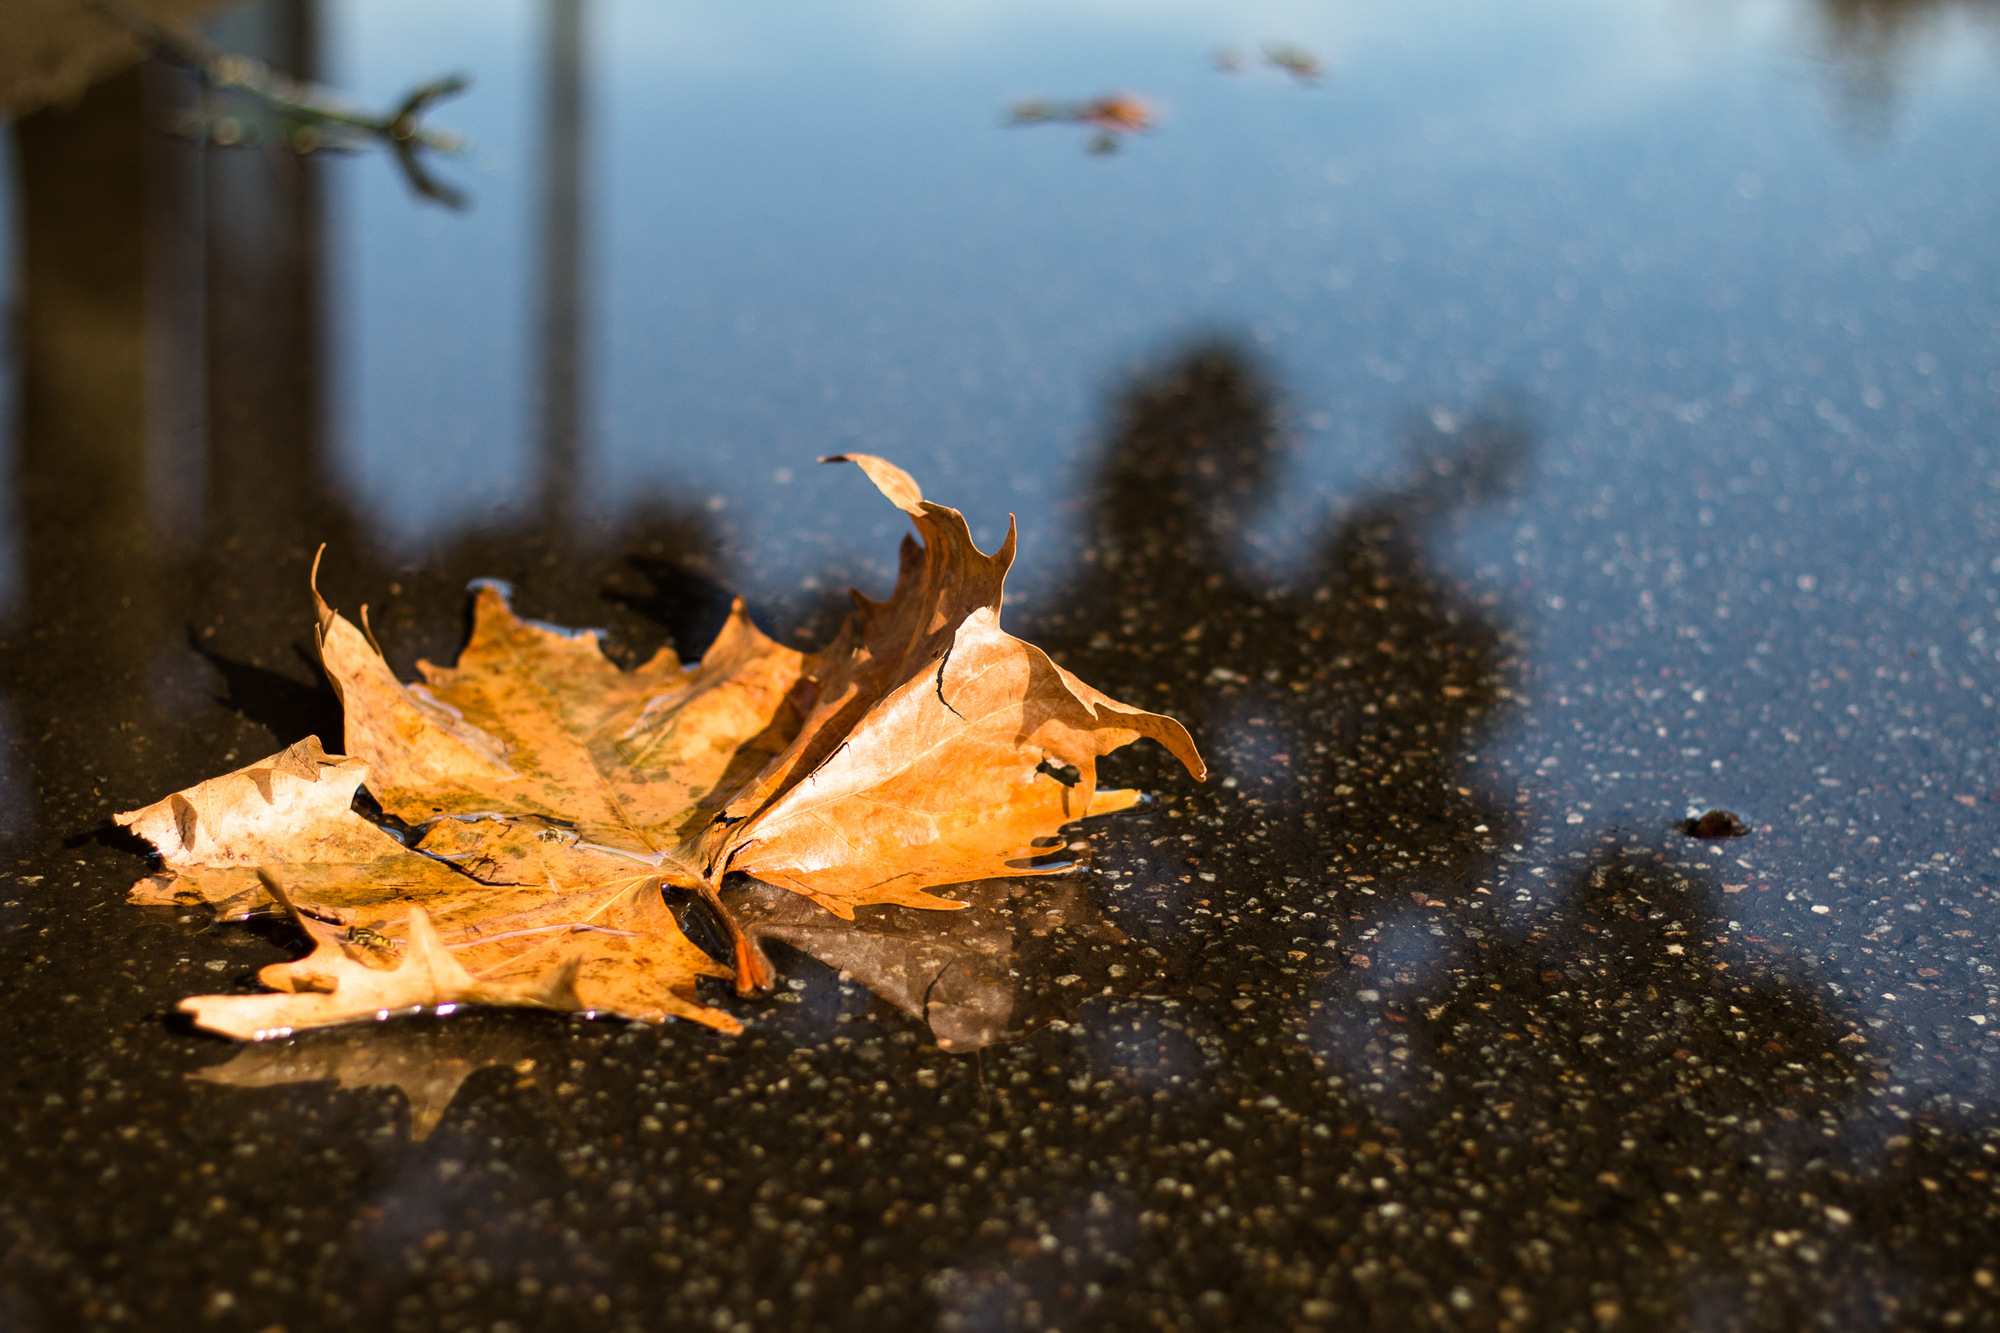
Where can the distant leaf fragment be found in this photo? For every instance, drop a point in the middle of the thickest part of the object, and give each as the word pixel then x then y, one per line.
pixel 1715 824
pixel 1113 116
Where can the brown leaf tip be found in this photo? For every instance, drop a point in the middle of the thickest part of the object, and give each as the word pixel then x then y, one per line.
pixel 892 481
pixel 324 611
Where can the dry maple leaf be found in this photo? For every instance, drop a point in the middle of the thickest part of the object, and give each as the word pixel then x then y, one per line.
pixel 549 795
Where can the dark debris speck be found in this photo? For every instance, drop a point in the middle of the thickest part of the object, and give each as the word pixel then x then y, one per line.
pixel 1715 824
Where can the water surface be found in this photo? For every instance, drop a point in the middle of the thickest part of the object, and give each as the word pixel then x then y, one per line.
pixel 1557 422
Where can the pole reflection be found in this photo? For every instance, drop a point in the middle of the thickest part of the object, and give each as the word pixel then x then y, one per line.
pixel 93 590
pixel 562 278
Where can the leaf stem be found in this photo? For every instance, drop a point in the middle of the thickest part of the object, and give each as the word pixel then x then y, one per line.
pixel 753 974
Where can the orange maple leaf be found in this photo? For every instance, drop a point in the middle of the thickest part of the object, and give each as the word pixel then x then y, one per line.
pixel 549 796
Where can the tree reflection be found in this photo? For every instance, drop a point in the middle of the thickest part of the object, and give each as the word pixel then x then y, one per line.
pixel 1336 708
pixel 96 600
pixel 1498 1079
pixel 1871 41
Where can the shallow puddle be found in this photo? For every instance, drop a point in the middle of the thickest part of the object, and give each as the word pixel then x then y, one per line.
pixel 1544 458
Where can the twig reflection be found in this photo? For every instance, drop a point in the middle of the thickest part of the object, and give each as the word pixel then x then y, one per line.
pixel 304 116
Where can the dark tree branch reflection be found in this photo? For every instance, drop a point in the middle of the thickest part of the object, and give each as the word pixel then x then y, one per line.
pixel 1872 43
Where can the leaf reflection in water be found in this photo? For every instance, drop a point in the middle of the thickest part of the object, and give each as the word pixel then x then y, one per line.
pixel 1023 955
pixel 428 1062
